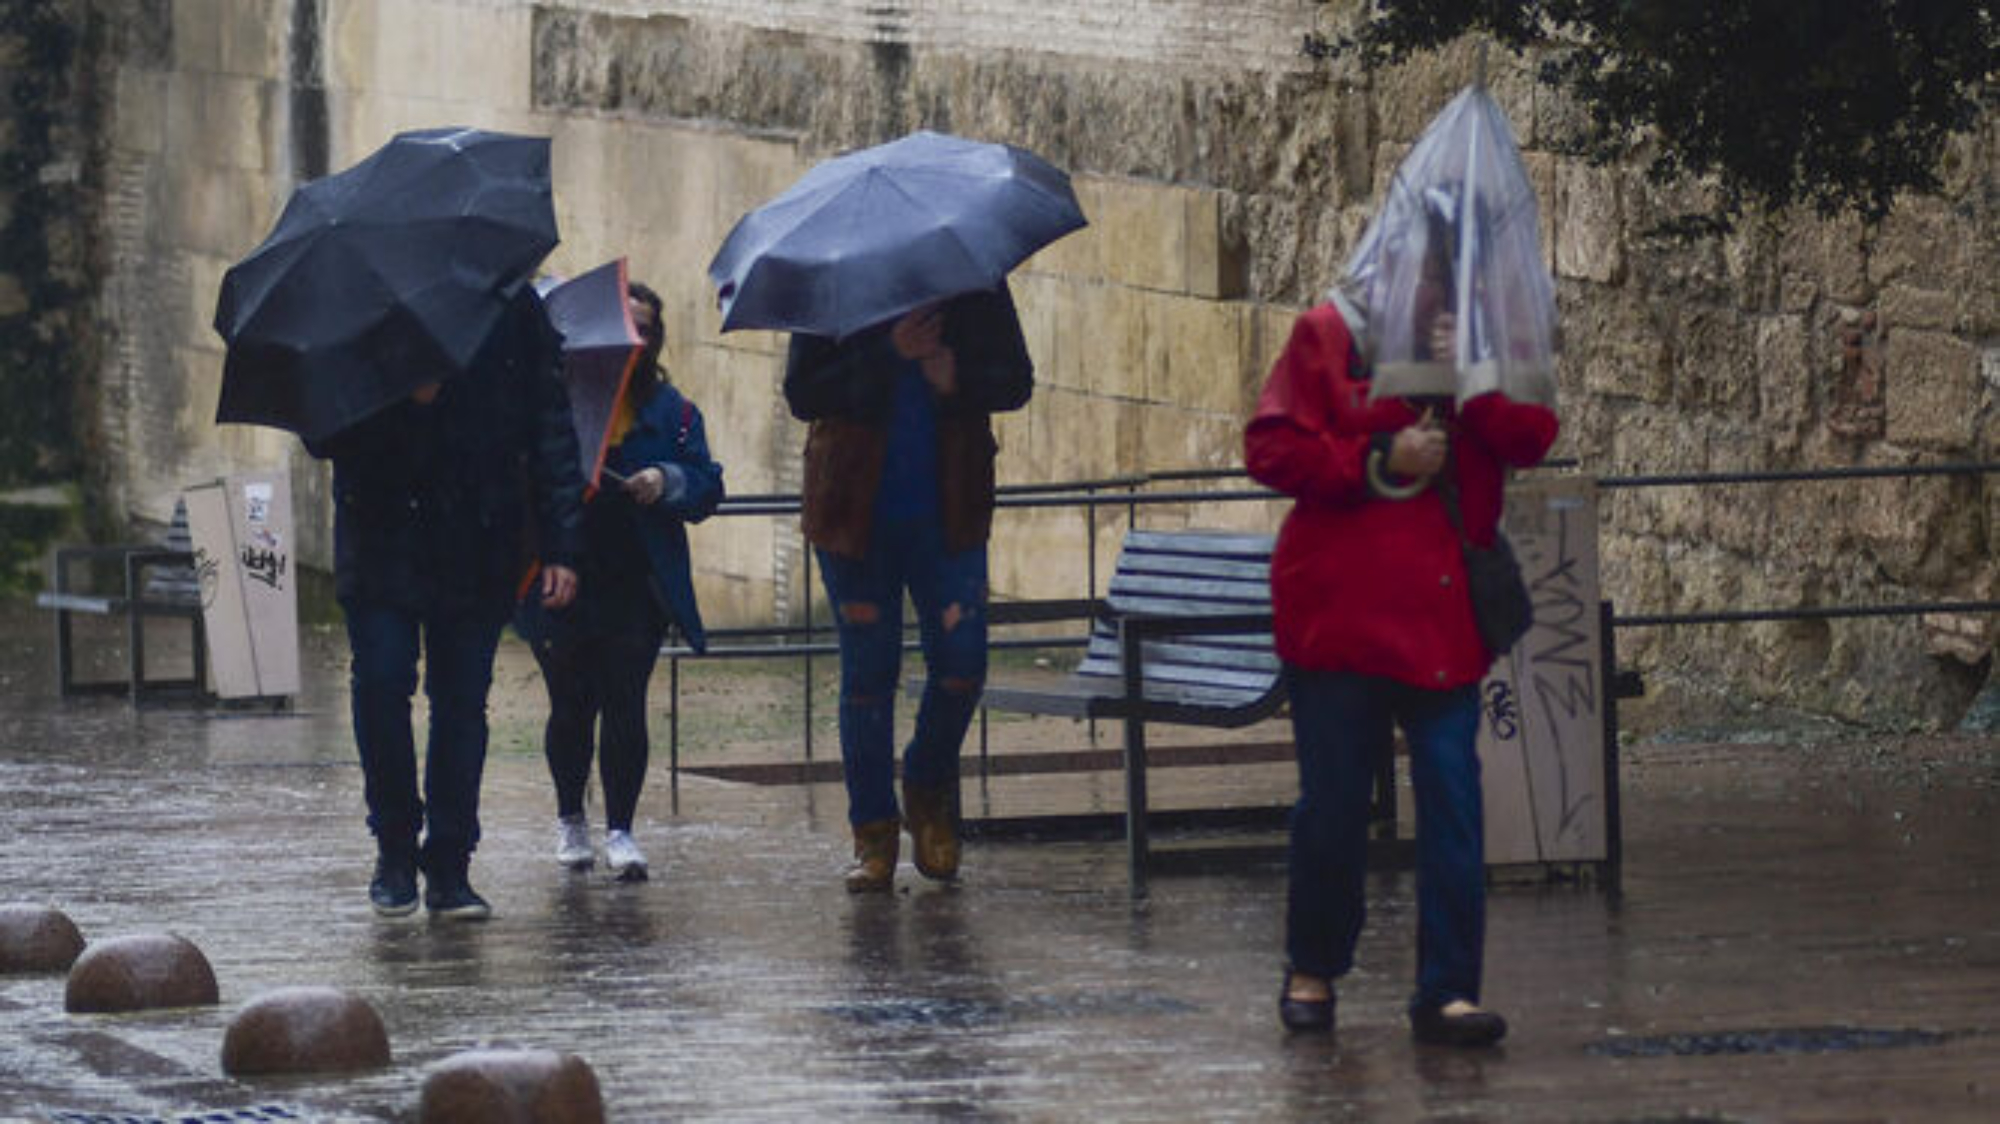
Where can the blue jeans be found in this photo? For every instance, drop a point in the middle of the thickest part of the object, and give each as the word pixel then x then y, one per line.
pixel 458 668
pixel 1341 723
pixel 905 554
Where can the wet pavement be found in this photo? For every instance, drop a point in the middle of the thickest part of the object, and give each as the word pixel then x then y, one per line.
pixel 1808 931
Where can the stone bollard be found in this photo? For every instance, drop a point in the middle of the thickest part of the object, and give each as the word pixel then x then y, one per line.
pixel 304 1030
pixel 37 938
pixel 139 973
pixel 511 1087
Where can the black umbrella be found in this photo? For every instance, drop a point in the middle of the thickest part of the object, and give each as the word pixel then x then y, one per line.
pixel 878 232
pixel 601 346
pixel 382 278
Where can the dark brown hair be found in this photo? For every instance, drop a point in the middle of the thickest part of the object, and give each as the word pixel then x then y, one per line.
pixel 649 374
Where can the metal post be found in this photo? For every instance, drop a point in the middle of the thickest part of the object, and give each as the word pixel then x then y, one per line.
pixel 806 550
pixel 674 724
pixel 136 629
pixel 1090 542
pixel 1135 754
pixel 65 678
pixel 1614 831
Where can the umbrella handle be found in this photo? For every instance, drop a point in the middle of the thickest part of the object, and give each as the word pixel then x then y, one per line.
pixel 1386 490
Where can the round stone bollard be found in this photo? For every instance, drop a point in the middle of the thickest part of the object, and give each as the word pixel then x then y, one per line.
pixel 139 973
pixel 511 1087
pixel 304 1030
pixel 37 938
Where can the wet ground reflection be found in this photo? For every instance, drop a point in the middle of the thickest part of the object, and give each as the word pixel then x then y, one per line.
pixel 1808 931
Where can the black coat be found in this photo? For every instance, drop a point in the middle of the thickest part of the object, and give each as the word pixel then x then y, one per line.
pixel 637 572
pixel 432 504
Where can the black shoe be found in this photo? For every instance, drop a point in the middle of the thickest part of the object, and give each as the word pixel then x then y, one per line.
pixel 1470 1027
pixel 448 893
pixel 393 890
pixel 1304 1015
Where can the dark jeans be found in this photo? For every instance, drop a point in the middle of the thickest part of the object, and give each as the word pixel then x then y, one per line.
pixel 1341 723
pixel 905 554
pixel 457 652
pixel 599 681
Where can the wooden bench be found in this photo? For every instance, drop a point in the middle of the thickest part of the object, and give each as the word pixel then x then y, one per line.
pixel 1183 637
pixel 159 580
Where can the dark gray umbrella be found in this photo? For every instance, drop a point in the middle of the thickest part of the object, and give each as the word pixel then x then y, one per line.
pixel 601 347
pixel 875 233
pixel 382 278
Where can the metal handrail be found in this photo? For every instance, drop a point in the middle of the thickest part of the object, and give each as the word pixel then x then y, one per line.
pixel 1131 493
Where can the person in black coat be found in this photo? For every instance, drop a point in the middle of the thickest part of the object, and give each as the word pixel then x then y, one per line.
pixel 433 501
pixel 597 655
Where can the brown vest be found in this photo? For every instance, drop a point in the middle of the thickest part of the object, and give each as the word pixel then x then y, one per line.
pixel 844 468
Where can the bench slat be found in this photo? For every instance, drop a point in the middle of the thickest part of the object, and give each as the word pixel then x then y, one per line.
pixel 1167 607
pixel 80 603
pixel 1188 673
pixel 1247 661
pixel 1097 697
pixel 1196 565
pixel 1202 542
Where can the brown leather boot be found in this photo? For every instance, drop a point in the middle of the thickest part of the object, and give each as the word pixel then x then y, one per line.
pixel 875 847
pixel 933 833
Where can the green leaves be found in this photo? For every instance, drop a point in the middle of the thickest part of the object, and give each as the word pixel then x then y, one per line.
pixel 1836 104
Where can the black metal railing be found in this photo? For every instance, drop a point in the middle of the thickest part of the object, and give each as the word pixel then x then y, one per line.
pixel 1149 490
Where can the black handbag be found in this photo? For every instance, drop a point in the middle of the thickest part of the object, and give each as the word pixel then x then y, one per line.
pixel 1501 606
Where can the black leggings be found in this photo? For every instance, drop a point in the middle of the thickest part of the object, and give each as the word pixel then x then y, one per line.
pixel 599 675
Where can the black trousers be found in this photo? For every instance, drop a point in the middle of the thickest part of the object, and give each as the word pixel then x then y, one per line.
pixel 597 704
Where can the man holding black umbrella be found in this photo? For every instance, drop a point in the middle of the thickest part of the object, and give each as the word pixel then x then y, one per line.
pixel 387 320
pixel 429 545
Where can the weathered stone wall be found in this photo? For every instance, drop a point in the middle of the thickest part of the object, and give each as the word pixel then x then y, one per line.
pixel 1226 177
pixel 50 259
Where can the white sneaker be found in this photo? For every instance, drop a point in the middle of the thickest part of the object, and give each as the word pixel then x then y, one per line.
pixel 573 843
pixel 622 855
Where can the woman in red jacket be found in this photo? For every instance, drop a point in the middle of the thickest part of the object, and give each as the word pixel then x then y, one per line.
pixel 1374 626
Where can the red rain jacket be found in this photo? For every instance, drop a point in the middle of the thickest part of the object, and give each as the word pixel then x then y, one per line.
pixel 1359 582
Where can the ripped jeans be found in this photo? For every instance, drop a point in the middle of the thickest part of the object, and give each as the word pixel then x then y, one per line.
pixel 949 592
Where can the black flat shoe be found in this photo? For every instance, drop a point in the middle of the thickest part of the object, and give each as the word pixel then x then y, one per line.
pixel 1302 1016
pixel 1472 1027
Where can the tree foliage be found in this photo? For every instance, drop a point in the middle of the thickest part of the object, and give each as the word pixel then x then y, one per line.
pixel 1839 104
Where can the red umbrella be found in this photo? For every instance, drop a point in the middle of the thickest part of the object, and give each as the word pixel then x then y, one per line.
pixel 601 346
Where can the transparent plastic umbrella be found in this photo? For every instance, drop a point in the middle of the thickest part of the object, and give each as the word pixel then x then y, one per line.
pixel 1457 235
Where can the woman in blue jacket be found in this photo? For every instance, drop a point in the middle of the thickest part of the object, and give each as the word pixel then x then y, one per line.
pixel 598 654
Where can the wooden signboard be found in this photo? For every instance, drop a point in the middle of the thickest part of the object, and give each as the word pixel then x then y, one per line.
pixel 1541 736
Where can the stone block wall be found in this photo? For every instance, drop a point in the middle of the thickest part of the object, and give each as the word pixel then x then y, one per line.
pixel 1226 177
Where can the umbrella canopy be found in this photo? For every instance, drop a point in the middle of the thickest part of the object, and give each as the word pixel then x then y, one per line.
pixel 873 234
pixel 601 346
pixel 382 278
pixel 1457 234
